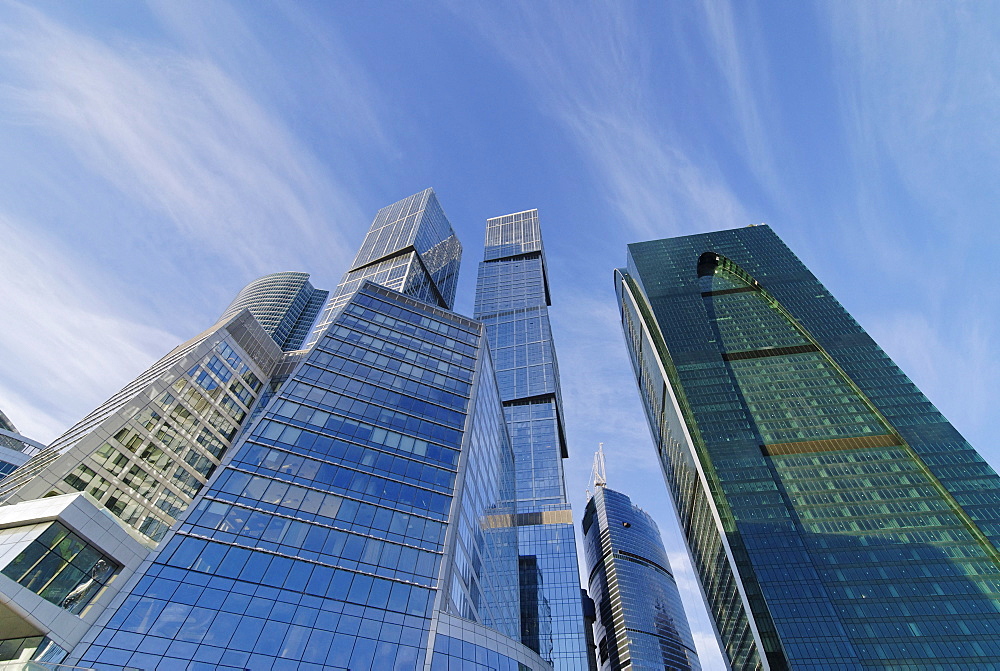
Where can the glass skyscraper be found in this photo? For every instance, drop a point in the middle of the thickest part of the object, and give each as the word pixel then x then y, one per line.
pixel 512 299
pixel 365 518
pixel 146 452
pixel 81 514
pixel 285 304
pixel 835 518
pixel 15 449
pixel 410 248
pixel 640 619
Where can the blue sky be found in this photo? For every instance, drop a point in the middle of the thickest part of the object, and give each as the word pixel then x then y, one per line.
pixel 156 157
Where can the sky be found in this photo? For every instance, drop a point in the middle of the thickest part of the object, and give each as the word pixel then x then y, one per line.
pixel 155 157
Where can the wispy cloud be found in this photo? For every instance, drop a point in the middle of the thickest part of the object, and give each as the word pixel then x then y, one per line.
pixel 65 345
pixel 919 100
pixel 701 627
pixel 918 91
pixel 591 70
pixel 178 135
pixel 176 181
pixel 956 363
pixel 735 50
pixel 327 81
pixel 598 388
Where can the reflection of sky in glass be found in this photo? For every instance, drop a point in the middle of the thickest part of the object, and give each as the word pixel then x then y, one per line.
pixel 410 248
pixel 512 301
pixel 322 540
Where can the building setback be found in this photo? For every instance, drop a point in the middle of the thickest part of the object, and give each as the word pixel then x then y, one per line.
pixel 835 518
pixel 512 299
pixel 640 619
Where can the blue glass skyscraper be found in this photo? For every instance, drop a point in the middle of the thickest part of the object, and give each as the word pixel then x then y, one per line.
pixel 365 518
pixel 411 248
pixel 835 518
pixel 512 299
pixel 640 619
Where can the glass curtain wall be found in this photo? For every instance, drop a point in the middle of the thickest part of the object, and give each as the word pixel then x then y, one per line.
pixel 836 519
pixel 512 299
pixel 321 542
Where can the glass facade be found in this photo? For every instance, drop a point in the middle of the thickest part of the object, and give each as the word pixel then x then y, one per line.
pixel 42 653
pixel 321 544
pixel 147 452
pixel 285 304
pixel 512 298
pixel 12 454
pixel 836 519
pixel 455 654
pixel 6 424
pixel 640 618
pixel 15 449
pixel 8 467
pixel 410 248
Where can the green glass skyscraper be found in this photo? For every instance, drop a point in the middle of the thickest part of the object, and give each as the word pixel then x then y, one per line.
pixel 835 518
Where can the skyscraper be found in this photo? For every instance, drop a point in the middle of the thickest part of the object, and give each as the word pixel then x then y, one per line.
pixel 143 456
pixel 365 518
pixel 512 299
pixel 640 619
pixel 410 248
pixel 835 518
pixel 15 449
pixel 146 452
pixel 285 305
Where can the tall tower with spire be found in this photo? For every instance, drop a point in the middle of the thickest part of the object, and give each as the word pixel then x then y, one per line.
pixel 640 619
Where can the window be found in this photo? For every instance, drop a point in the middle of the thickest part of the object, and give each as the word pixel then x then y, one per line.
pixel 62 568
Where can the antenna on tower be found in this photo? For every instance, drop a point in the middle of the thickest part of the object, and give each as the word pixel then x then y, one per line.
pixel 598 475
